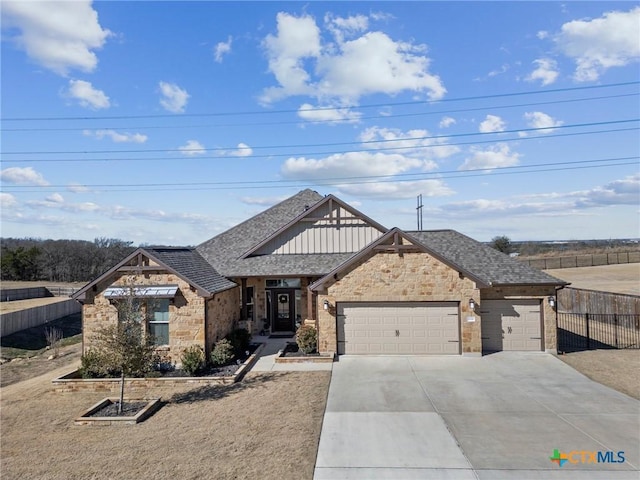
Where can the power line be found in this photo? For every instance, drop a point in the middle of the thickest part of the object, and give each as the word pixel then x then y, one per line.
pixel 334 152
pixel 295 122
pixel 332 144
pixel 357 179
pixel 318 109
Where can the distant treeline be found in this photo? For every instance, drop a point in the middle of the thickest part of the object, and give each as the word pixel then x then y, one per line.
pixel 31 259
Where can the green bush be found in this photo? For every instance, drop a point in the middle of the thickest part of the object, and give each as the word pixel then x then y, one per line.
pixel 193 359
pixel 94 364
pixel 240 339
pixel 222 353
pixel 307 339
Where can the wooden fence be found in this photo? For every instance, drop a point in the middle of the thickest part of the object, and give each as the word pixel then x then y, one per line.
pixel 31 317
pixel 579 300
pixel 591 260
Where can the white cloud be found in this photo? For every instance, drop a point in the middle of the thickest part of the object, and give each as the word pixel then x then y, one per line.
pixel 22 176
pixel 328 114
pixel 117 136
pixel 77 188
pixel 617 192
pixel 416 143
pixel 86 95
pixel 542 34
pixel 546 71
pixel 243 150
pixel 384 190
pixel 541 120
pixel 59 35
pixel 55 198
pixel 174 99
pixel 601 43
pixel 192 147
pixel 492 123
pixel 496 156
pixel 344 70
pixel 446 122
pixel 222 49
pixel 7 200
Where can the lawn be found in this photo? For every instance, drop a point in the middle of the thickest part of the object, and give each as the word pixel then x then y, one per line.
pixel 267 426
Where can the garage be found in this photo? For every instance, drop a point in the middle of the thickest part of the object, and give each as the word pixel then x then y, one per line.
pixel 401 328
pixel 511 325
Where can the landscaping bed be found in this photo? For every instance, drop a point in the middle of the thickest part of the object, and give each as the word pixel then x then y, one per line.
pixel 73 381
pixel 105 412
pixel 291 353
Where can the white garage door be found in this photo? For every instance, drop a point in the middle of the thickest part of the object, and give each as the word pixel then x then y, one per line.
pixel 398 328
pixel 511 325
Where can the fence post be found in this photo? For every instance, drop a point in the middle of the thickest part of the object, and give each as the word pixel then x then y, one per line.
pixel 586 319
pixel 615 326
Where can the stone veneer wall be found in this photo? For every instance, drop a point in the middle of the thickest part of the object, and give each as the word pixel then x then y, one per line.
pixel 186 312
pixel 223 312
pixel 390 277
pixel 529 293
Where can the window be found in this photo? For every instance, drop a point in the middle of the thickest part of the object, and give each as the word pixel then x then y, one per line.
pixel 250 303
pixel 158 315
pixel 283 283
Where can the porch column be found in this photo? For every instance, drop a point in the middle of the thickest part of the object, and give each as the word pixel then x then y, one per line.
pixel 243 313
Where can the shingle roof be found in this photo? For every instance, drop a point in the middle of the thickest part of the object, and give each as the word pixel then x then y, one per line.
pixel 224 250
pixel 192 267
pixel 483 262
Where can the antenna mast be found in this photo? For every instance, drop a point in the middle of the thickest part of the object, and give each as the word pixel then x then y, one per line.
pixel 419 211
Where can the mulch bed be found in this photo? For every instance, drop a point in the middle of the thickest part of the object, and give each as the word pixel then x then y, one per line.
pixel 211 371
pixel 129 409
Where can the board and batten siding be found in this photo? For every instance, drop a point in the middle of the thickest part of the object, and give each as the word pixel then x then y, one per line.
pixel 338 231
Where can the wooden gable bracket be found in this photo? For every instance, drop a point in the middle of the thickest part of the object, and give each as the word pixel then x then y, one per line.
pixel 142 265
pixel 396 246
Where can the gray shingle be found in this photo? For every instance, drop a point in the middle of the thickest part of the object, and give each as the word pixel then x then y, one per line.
pixel 190 264
pixel 485 263
pixel 224 251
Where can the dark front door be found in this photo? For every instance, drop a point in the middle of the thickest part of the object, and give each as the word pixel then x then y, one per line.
pixel 282 310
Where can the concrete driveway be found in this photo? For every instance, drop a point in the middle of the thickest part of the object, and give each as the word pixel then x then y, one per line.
pixel 496 417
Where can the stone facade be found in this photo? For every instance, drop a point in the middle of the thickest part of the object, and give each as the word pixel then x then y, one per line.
pixel 530 292
pixel 187 316
pixel 393 277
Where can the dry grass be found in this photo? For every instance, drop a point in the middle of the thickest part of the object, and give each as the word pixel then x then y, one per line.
pixel 618 369
pixel 7 307
pixel 267 426
pixel 622 278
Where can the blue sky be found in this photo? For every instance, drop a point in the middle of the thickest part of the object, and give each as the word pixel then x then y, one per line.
pixel 169 122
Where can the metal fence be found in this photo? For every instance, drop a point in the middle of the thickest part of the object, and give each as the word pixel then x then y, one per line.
pixel 586 331
pixel 588 260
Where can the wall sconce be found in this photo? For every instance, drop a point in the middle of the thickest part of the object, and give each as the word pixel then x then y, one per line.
pixel 552 301
pixel 325 304
pixel 472 304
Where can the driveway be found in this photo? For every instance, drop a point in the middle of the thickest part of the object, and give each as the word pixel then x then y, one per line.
pixel 496 417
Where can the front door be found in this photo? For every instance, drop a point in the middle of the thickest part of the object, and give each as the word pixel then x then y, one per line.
pixel 282 310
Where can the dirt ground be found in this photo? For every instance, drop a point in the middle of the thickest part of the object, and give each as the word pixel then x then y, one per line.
pixel 265 427
pixel 22 369
pixel 618 369
pixel 623 278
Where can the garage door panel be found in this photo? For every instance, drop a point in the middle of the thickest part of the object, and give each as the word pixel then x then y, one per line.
pixel 401 328
pixel 511 325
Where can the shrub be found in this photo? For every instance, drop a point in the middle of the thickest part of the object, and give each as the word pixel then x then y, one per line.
pixel 307 339
pixel 94 364
pixel 240 339
pixel 222 353
pixel 193 359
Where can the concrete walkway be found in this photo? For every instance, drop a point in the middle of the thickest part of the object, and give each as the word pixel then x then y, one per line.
pixel 496 417
pixel 273 346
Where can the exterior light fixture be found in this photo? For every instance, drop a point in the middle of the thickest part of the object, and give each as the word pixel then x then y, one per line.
pixel 552 301
pixel 472 304
pixel 325 304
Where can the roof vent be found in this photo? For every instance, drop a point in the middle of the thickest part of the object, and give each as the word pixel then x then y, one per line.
pixel 306 207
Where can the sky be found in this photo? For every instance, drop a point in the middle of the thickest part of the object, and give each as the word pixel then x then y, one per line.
pixel 170 122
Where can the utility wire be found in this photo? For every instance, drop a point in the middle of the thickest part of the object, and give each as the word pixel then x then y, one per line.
pixel 331 144
pixel 318 109
pixel 360 178
pixel 312 122
pixel 310 154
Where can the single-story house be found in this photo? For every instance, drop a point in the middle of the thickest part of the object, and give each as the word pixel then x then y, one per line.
pixel 315 259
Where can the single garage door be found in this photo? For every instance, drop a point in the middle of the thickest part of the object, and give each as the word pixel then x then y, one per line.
pixel 511 325
pixel 398 328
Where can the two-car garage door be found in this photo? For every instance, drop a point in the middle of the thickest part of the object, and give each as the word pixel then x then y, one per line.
pixel 398 328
